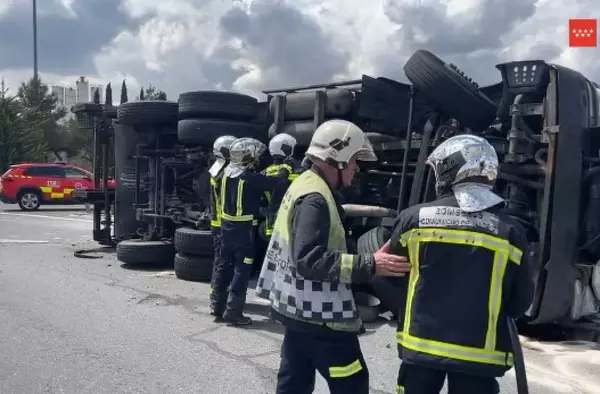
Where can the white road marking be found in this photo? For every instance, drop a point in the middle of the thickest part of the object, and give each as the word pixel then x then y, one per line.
pixel 46 217
pixel 22 241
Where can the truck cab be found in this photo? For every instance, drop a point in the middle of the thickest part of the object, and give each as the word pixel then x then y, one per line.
pixel 543 120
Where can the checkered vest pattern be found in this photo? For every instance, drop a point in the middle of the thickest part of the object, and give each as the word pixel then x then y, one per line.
pixel 290 294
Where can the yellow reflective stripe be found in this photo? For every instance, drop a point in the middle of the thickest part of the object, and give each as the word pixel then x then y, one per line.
pixel 215 223
pixel 46 189
pixel 223 191
pixel 217 220
pixel 213 181
pixel 346 266
pixel 248 260
pixel 457 352
pixel 463 237
pixel 242 218
pixel 238 204
pixel 57 195
pixel 400 390
pixel 347 371
pixel 495 298
pixel 268 196
pixel 293 177
pixel 269 231
pixel 413 257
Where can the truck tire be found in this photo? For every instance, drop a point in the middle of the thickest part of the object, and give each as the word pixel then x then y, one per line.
pixel 390 291
pixel 192 242
pixel 450 90
pixel 195 269
pixel 301 105
pixel 206 131
pixel 215 104
pixel 301 130
pixel 139 252
pixel 147 112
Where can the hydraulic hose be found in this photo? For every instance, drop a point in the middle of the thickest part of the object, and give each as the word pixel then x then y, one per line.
pixel 518 359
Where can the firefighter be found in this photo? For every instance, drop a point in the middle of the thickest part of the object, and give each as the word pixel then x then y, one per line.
pixel 221 154
pixel 242 189
pixel 307 272
pixel 470 273
pixel 281 148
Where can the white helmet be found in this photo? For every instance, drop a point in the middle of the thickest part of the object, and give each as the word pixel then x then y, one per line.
pixel 282 145
pixel 243 155
pixel 469 165
pixel 221 152
pixel 337 141
pixel 222 145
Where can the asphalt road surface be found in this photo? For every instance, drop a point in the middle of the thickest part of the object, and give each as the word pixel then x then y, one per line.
pixel 72 325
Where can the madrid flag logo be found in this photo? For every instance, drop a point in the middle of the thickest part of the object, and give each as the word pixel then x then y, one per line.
pixel 583 33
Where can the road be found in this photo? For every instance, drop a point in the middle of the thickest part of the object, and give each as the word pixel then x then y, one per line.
pixel 72 325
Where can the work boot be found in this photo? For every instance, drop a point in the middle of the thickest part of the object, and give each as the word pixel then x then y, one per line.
pixel 240 320
pixel 218 317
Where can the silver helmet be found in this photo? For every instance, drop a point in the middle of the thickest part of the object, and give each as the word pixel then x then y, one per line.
pixel 468 164
pixel 221 152
pixel 244 154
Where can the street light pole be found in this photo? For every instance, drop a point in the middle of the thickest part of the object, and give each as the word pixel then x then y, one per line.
pixel 35 49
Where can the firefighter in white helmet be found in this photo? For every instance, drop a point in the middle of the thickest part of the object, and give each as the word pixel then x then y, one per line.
pixel 281 148
pixel 221 154
pixel 470 271
pixel 242 191
pixel 307 272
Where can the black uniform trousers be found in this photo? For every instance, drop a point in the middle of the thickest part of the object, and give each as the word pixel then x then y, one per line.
pixel 237 256
pixel 217 262
pixel 414 379
pixel 335 354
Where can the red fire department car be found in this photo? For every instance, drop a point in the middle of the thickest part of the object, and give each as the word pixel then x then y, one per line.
pixel 33 184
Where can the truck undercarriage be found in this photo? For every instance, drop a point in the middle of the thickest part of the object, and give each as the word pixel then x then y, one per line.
pixel 543 120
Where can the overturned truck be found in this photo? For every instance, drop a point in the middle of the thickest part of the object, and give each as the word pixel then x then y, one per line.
pixel 543 120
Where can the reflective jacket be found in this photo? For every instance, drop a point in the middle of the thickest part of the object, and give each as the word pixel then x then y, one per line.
pixel 307 270
pixel 241 197
pixel 285 171
pixel 469 271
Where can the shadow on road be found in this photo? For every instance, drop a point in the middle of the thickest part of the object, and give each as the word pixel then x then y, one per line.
pixel 95 253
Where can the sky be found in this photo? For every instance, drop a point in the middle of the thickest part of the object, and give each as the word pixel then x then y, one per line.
pixel 252 45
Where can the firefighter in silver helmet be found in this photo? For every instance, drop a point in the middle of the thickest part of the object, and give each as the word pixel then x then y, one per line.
pixel 307 272
pixel 221 153
pixel 242 190
pixel 281 148
pixel 470 272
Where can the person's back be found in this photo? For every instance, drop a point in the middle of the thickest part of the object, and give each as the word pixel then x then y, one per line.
pixel 470 273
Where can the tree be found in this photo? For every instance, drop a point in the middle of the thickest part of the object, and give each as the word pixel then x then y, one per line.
pixel 20 141
pixel 123 92
pixel 108 96
pixel 97 96
pixel 151 93
pixel 40 110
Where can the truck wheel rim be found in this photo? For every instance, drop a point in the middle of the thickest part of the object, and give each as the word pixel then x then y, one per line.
pixel 29 200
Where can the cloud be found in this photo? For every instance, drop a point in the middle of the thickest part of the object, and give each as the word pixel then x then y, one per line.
pixel 251 45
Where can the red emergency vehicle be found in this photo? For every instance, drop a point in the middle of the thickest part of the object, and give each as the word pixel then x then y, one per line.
pixel 33 184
